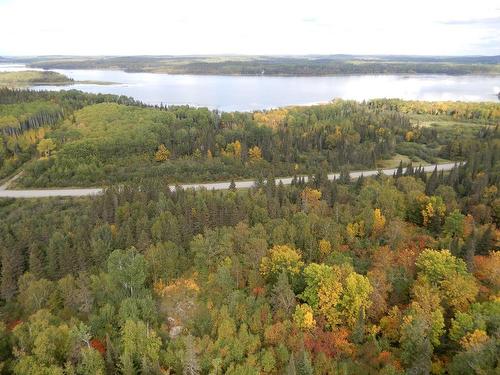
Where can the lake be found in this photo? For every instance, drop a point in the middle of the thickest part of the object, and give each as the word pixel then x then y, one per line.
pixel 245 93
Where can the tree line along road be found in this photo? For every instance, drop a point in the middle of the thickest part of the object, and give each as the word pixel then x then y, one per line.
pixel 77 192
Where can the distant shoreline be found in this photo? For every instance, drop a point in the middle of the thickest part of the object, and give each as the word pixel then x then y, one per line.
pixel 71 83
pixel 277 75
pixel 274 66
pixel 31 78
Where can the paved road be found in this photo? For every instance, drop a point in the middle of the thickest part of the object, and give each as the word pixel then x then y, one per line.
pixel 5 193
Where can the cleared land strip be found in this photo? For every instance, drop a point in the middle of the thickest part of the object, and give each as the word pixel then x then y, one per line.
pixel 44 193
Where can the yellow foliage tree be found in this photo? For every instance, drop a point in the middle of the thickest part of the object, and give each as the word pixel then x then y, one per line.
pixel 459 291
pixel 310 198
pixel 281 258
pixel 356 230
pixel 237 149
pixel 40 133
pixel 45 147
pixel 178 286
pixel 255 153
pixel 474 339
pixel 409 136
pixel 378 222
pixel 271 118
pixel 329 293
pixel 303 317
pixel 233 149
pixel 325 247
pixel 162 154
pixel 355 297
pixel 434 207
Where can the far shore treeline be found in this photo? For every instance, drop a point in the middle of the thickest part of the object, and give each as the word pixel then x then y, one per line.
pixel 314 65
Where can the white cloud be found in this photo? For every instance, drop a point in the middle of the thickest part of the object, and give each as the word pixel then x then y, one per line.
pixel 95 27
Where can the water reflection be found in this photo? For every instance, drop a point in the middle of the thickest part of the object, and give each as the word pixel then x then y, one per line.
pixel 231 93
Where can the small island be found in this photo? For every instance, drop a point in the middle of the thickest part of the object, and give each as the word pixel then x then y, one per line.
pixel 39 78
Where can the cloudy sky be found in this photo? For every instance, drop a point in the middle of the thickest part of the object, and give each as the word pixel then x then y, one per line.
pixel 131 27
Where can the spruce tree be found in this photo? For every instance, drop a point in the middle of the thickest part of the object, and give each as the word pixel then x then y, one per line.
pixel 304 365
pixel 399 171
pixel 432 182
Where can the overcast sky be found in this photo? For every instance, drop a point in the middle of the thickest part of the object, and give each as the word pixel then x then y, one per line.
pixel 126 27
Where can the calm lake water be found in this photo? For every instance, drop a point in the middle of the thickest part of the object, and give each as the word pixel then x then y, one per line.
pixel 236 93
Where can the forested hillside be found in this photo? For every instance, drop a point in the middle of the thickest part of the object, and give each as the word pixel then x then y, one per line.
pixel 385 275
pixel 102 140
pixel 25 116
pixel 112 143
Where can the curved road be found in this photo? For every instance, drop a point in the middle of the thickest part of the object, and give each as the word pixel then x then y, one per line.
pixel 43 193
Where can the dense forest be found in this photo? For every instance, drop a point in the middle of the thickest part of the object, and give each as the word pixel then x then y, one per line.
pixel 104 139
pixel 277 66
pixel 109 143
pixel 26 115
pixel 384 275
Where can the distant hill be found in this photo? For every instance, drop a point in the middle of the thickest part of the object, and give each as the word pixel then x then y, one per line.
pixel 446 59
pixel 307 65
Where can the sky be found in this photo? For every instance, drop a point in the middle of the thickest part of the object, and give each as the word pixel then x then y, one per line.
pixel 257 27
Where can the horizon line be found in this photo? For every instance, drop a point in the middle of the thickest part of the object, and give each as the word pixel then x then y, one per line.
pixel 248 55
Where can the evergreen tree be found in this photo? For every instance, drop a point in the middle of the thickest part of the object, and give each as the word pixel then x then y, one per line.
pixel 432 182
pixel 12 268
pixel 304 365
pixel 399 171
pixel 111 358
pixel 469 250
pixel 416 347
pixel 344 177
pixel 36 260
pixel 409 169
pixel 358 331
pixel 485 243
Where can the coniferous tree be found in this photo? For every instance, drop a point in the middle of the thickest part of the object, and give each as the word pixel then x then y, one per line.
pixel 12 269
pixel 409 169
pixel 304 365
pixel 432 182
pixel 232 185
pixel 36 260
pixel 399 171
pixel 485 243
pixel 469 250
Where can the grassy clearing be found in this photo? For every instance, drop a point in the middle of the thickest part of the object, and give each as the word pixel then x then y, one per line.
pixel 397 158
